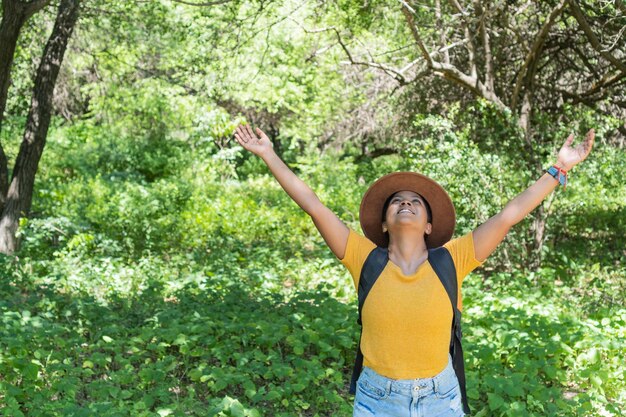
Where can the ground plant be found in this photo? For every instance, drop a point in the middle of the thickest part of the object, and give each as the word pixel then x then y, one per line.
pixel 160 270
pixel 229 305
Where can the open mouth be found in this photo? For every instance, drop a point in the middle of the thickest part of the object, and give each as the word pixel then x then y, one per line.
pixel 405 210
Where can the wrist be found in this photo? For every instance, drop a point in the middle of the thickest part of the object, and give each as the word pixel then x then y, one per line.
pixel 562 165
pixel 266 154
pixel 559 173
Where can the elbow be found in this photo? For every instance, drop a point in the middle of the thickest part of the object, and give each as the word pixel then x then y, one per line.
pixel 509 217
pixel 311 205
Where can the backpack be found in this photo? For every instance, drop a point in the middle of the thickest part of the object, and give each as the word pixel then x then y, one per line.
pixel 443 265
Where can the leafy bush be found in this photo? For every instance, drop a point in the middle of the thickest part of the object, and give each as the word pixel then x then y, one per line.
pixel 207 291
pixel 229 352
pixel 531 354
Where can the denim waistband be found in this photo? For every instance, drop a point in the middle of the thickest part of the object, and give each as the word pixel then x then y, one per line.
pixel 421 386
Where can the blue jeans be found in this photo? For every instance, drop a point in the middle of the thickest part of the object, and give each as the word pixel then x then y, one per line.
pixel 439 396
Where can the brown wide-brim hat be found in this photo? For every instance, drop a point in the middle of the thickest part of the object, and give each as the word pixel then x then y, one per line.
pixel 442 209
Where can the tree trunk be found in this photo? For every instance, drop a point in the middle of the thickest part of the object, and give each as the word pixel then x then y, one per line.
pixel 539 215
pixel 12 22
pixel 20 192
pixel 14 14
pixel 537 228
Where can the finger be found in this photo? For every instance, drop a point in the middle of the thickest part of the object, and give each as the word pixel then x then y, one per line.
pixel 569 140
pixel 243 132
pixel 591 137
pixel 260 133
pixel 240 138
pixel 250 132
pixel 238 131
pixel 240 141
pixel 589 140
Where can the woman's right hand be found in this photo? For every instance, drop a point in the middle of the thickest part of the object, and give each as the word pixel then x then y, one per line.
pixel 258 145
pixel 334 232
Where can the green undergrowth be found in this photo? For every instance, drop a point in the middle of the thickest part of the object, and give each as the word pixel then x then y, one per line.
pixel 218 348
pixel 197 351
pixel 204 290
pixel 531 352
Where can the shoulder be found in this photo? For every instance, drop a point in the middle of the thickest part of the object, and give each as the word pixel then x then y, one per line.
pixel 464 242
pixel 358 244
pixel 462 251
pixel 357 250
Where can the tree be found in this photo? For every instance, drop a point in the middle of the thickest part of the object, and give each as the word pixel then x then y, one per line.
pixel 525 58
pixel 17 200
pixel 15 13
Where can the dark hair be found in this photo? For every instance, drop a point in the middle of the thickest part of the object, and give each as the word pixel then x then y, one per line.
pixel 429 214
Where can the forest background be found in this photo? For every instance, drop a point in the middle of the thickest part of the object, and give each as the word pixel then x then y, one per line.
pixel 152 267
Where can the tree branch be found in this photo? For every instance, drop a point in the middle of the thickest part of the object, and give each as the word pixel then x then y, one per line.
pixel 468 37
pixel 376 153
pixel 605 82
pixel 442 32
pixel 484 33
pixel 535 50
pixel 408 13
pixel 449 71
pixel 580 17
pixel 585 60
pixel 34 6
pixel 397 75
pixel 609 81
pixel 203 4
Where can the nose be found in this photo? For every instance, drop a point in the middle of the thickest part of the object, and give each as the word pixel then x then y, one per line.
pixel 405 202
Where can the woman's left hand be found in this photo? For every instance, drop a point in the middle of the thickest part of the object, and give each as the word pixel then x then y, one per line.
pixel 570 156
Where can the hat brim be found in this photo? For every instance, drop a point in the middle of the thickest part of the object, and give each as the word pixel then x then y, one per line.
pixel 443 214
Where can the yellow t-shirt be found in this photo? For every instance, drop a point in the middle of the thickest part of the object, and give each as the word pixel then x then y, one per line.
pixel 407 318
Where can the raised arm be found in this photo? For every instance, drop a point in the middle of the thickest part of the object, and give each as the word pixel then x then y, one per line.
pixel 334 232
pixel 489 234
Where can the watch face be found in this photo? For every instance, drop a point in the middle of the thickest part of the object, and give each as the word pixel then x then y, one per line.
pixel 558 175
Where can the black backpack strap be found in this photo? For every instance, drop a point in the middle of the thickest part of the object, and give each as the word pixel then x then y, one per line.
pixel 372 268
pixel 443 265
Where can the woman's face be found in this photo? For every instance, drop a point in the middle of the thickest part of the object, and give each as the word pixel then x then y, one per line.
pixel 407 208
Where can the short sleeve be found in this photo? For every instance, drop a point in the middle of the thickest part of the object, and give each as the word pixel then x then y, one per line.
pixel 357 250
pixel 462 251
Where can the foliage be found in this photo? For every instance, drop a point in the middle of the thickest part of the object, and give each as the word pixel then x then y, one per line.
pixel 212 343
pixel 195 349
pixel 164 272
pixel 532 354
pixel 226 299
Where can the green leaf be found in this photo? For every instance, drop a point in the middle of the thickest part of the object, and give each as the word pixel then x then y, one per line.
pixel 596 381
pixel 298 387
pixel 550 371
pixel 495 401
pixel 272 395
pixel 236 409
pixel 219 385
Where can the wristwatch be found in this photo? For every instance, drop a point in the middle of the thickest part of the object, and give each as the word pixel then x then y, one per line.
pixel 559 174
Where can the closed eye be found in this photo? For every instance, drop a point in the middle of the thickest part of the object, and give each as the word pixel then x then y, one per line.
pixel 398 199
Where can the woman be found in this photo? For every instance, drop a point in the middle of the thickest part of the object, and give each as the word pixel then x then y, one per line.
pixel 406 320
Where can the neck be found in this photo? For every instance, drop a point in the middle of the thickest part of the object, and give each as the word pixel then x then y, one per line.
pixel 408 251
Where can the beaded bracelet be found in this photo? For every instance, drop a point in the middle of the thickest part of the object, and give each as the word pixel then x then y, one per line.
pixel 558 174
